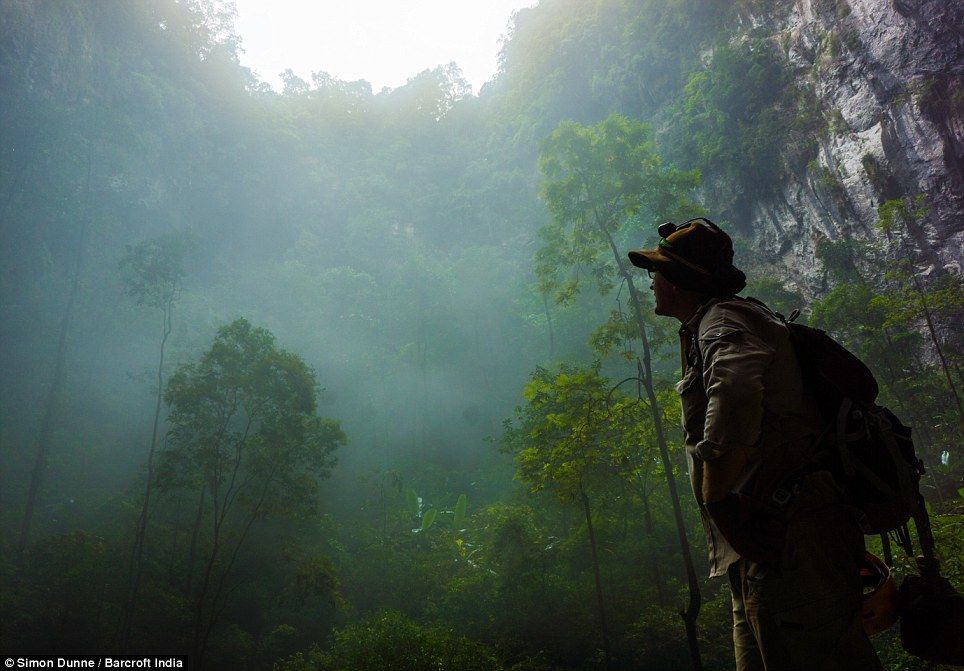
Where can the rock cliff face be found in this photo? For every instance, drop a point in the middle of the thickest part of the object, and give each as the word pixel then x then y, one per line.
pixel 888 74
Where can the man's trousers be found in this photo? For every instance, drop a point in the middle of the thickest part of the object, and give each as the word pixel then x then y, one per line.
pixel 804 614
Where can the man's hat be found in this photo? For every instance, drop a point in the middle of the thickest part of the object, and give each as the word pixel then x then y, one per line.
pixel 694 255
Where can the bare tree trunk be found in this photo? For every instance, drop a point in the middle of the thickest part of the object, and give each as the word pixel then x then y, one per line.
pixel 892 384
pixel 192 552
pixel 651 532
pixel 422 376
pixel 646 373
pixel 221 509
pixel 137 553
pixel 205 583
pixel 937 345
pixel 604 625
pixel 552 342
pixel 219 588
pixel 485 359
pixel 175 540
pixel 647 512
pixel 624 510
pixel 57 382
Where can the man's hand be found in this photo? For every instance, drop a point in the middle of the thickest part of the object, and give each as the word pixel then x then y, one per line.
pixel 756 533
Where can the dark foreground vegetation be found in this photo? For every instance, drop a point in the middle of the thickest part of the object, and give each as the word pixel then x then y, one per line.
pixel 335 379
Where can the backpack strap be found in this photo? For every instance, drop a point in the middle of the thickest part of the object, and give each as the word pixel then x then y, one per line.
pixel 905 484
pixel 788 488
pixel 841 436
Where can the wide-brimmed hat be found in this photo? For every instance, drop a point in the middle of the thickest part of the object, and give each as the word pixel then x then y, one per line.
pixel 696 255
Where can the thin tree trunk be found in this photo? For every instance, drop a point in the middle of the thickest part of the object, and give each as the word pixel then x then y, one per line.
pixel 219 588
pixel 202 594
pixel 651 532
pixel 906 407
pixel 485 359
pixel 892 383
pixel 422 376
pixel 624 510
pixel 175 539
pixel 137 553
pixel 937 345
pixel 693 608
pixel 220 515
pixel 604 625
pixel 552 342
pixel 57 382
pixel 192 552
pixel 647 512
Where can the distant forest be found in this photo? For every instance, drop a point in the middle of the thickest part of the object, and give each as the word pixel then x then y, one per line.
pixel 334 378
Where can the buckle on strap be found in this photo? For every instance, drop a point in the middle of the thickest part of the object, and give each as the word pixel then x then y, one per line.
pixel 781 496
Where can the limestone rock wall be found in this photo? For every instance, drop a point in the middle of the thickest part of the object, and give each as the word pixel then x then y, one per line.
pixel 890 77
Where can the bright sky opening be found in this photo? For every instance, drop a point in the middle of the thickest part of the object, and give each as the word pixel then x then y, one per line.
pixel 382 41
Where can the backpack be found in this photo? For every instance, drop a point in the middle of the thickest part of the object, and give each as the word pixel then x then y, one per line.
pixel 871 456
pixel 866 448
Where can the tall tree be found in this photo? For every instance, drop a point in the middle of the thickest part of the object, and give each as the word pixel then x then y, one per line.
pixel 910 301
pixel 52 404
pixel 567 441
pixel 600 182
pixel 151 272
pixel 243 419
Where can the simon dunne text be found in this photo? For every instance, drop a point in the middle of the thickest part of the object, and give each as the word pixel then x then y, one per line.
pixel 96 663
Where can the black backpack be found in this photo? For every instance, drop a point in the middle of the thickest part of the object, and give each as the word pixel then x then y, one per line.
pixel 871 456
pixel 867 449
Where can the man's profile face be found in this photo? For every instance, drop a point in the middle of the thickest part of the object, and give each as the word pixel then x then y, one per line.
pixel 663 293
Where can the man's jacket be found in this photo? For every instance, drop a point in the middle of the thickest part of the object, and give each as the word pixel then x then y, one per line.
pixel 742 388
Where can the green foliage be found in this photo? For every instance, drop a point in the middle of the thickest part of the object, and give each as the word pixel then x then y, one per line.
pixel 617 331
pixel 461 506
pixel 578 431
pixel 247 410
pixel 568 434
pixel 392 641
pixel 412 502
pixel 881 322
pixel 152 270
pixel 737 117
pixel 50 603
pixel 773 292
pixel 600 181
pixel 907 304
pixel 517 570
pixel 828 182
pixel 581 60
pixel 840 257
pixel 896 215
pixel 316 577
pixel 428 519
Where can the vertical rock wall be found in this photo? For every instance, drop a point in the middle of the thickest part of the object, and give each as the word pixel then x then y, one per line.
pixel 888 74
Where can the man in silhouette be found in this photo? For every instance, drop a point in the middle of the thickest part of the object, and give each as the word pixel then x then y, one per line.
pixel 791 560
